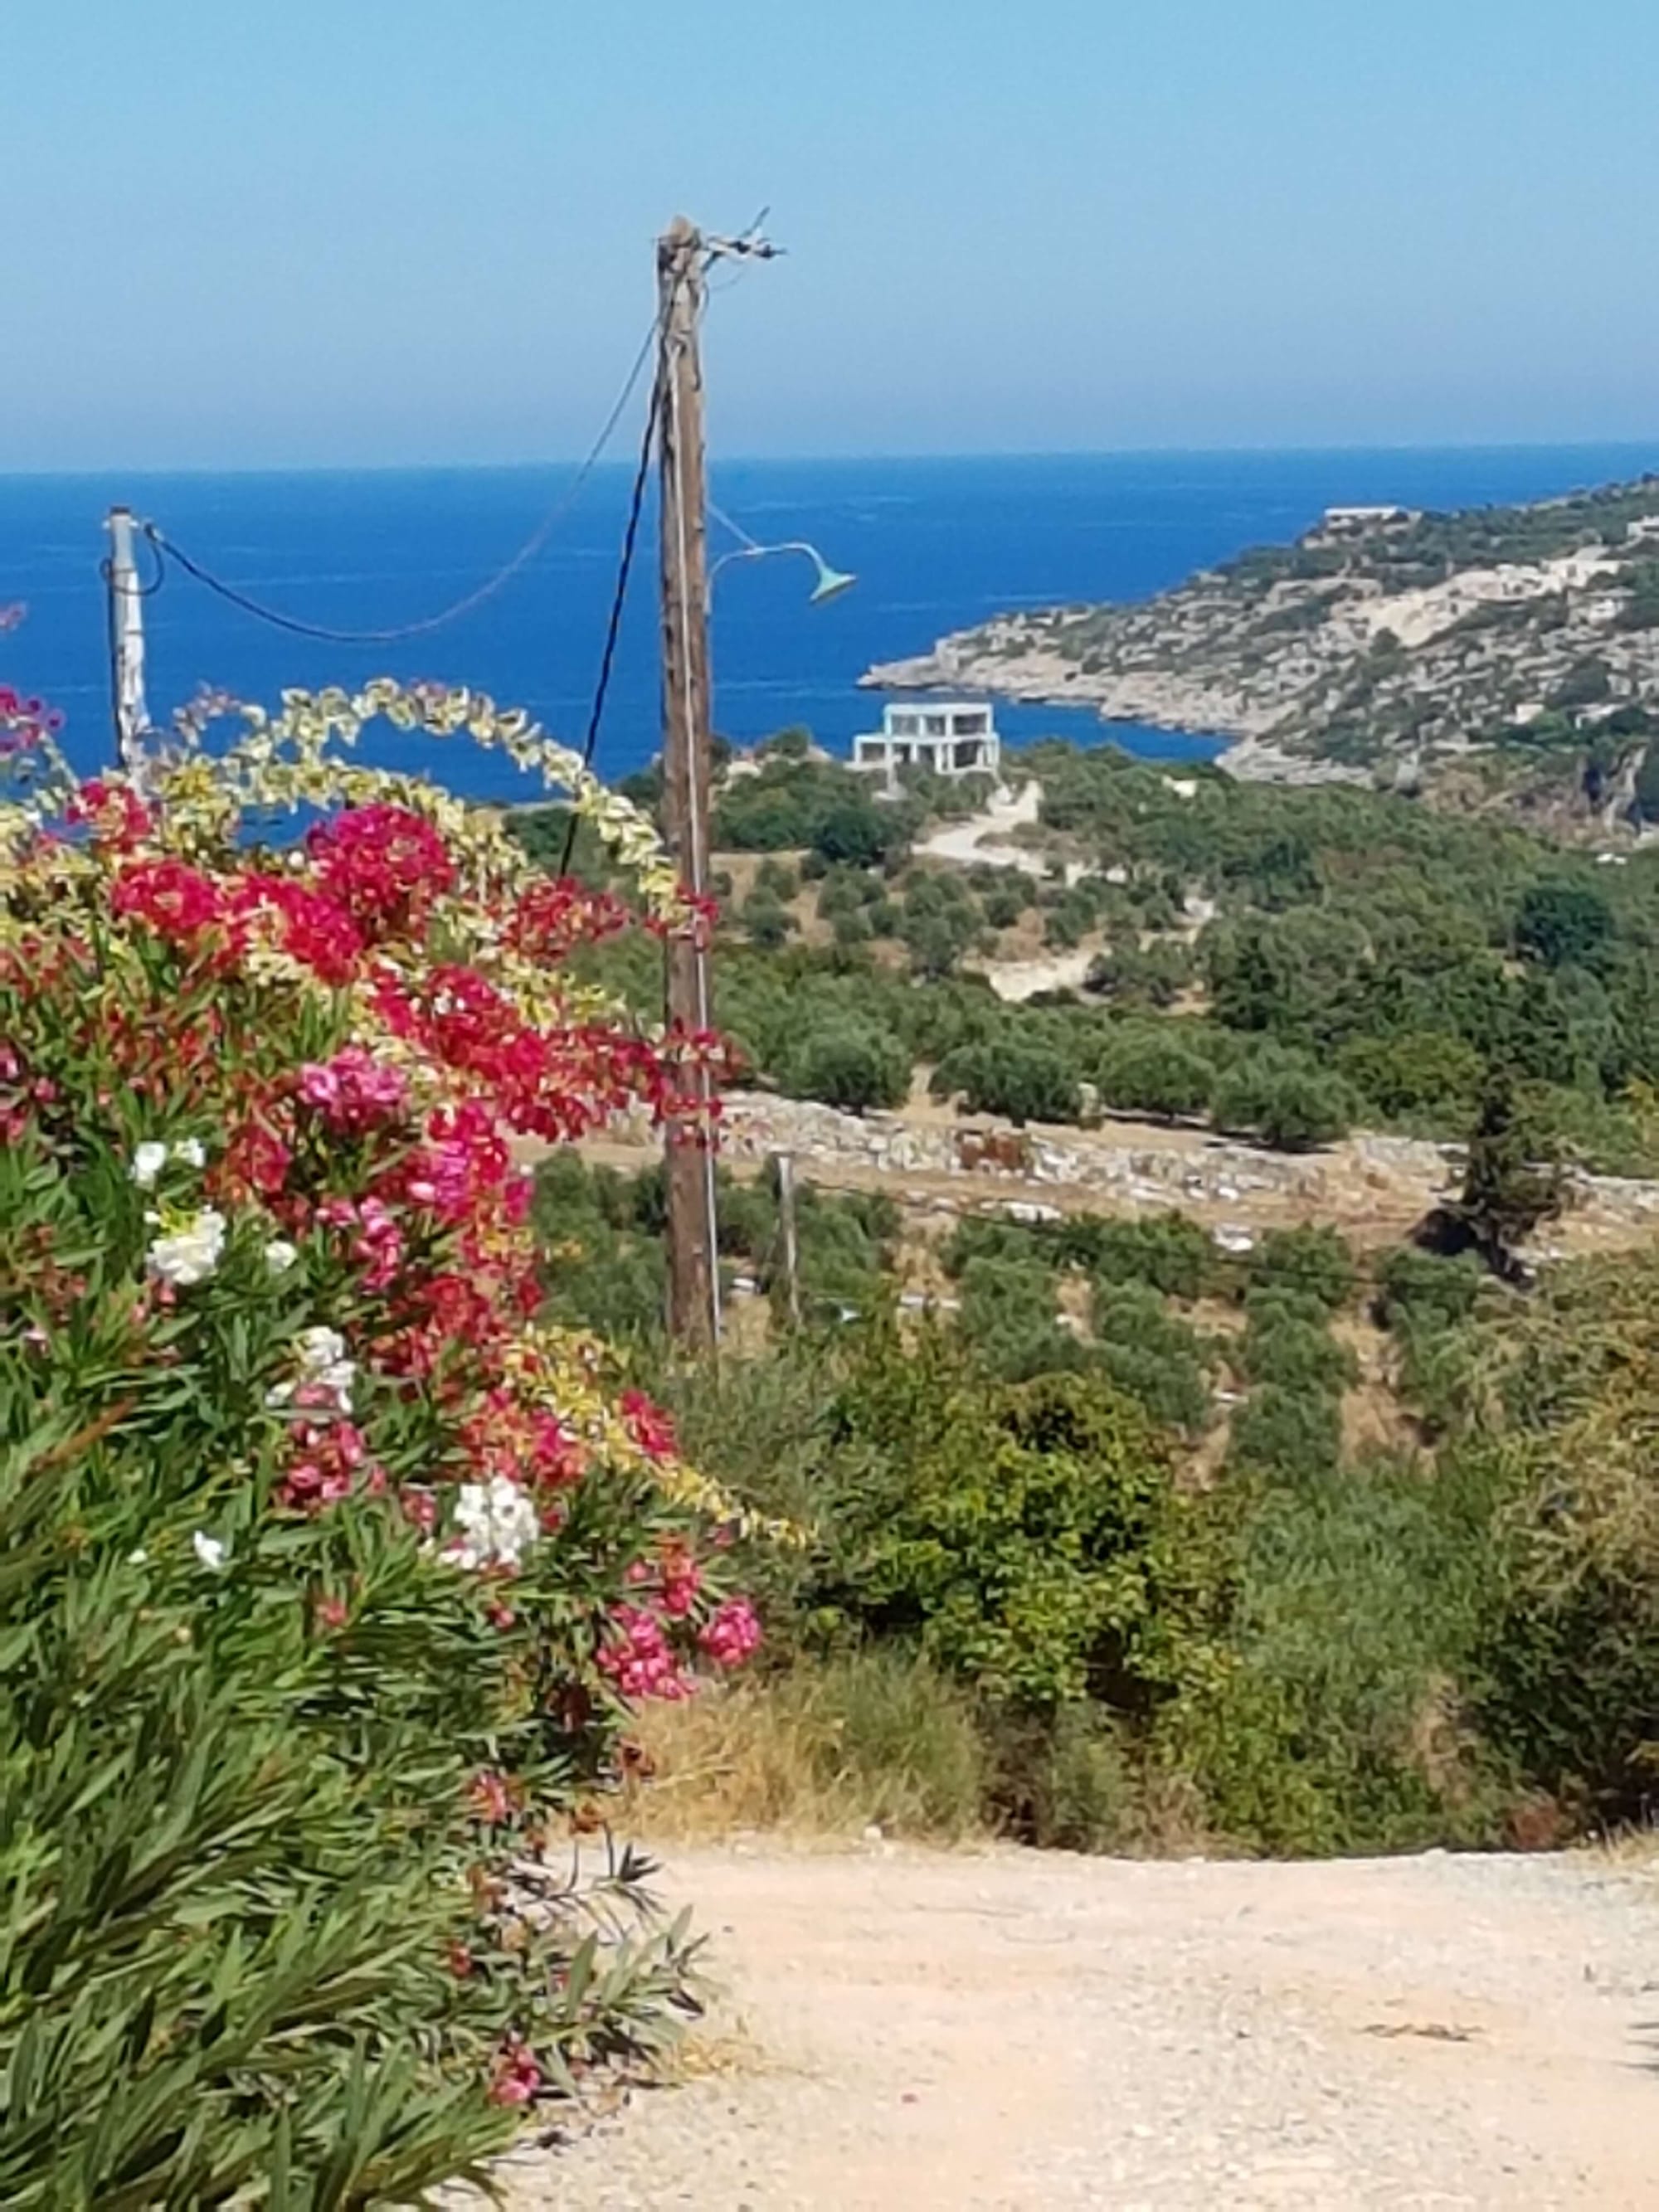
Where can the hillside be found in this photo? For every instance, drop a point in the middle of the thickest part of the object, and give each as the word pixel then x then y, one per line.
pixel 1383 640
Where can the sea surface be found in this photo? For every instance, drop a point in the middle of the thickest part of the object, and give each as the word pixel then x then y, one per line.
pixel 937 544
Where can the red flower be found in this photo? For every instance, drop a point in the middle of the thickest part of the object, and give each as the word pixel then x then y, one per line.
pixel 309 926
pixel 175 899
pixel 383 865
pixel 116 814
pixel 651 1429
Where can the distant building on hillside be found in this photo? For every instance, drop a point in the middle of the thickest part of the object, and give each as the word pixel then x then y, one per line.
pixel 1349 521
pixel 947 737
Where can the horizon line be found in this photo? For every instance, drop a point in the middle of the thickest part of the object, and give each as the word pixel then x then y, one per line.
pixel 876 455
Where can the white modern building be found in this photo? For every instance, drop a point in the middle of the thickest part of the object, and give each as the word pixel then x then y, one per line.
pixel 947 737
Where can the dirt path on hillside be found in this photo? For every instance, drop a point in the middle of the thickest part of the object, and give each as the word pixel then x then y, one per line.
pixel 916 2029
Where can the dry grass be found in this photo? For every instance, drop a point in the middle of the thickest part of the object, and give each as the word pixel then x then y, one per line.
pixel 822 1750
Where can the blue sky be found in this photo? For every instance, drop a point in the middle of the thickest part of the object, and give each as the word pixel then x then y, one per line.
pixel 382 231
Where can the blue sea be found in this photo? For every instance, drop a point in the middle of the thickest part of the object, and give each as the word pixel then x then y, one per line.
pixel 937 544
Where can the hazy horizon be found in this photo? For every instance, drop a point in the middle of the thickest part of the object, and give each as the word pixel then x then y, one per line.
pixel 614 460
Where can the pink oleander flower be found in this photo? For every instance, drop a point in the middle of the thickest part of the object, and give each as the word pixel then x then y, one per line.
pixel 733 1634
pixel 516 2077
pixel 353 1091
pixel 639 1658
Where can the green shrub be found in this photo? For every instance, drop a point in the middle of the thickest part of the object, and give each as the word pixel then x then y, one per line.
pixel 782 880
pixel 1169 1251
pixel 1336 1725
pixel 1313 1261
pixel 1008 1317
pixel 1063 1781
pixel 1302 1358
pixel 1019 1535
pixel 1146 1073
pixel 850 1065
pixel 903 1738
pixel 1293 1107
pixel 1419 1289
pixel 1026 1083
pixel 1285 1437
pixel 766 920
pixel 1150 1355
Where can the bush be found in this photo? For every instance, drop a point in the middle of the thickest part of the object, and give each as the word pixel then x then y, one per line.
pixel 1019 1535
pixel 1314 1263
pixel 1337 1725
pixel 1418 1290
pixel 1562 923
pixel 1064 1781
pixel 1147 1073
pixel 1293 1107
pixel 1285 1437
pixel 766 920
pixel 1172 1253
pixel 778 878
pixel 1008 1317
pixel 277 1445
pixel 1152 1357
pixel 849 1065
pixel 1026 1083
pixel 1302 1358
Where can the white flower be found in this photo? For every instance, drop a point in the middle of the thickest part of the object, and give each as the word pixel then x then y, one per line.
pixel 138 1558
pixel 147 1162
pixel 319 1347
pixel 280 1256
pixel 190 1254
pixel 189 1149
pixel 496 1521
pixel 210 1550
pixel 323 1368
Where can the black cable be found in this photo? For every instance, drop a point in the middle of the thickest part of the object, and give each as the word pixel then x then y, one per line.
pixel 595 714
pixel 165 548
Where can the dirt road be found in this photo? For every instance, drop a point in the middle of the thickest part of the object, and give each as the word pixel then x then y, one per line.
pixel 924 2030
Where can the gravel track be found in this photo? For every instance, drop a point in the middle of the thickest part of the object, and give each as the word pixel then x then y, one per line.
pixel 1010 2029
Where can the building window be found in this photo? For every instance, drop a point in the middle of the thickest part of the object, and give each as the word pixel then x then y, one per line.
pixel 902 726
pixel 969 726
pixel 937 725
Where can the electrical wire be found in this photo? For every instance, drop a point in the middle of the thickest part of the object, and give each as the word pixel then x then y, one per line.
pixel 166 550
pixel 607 659
pixel 750 544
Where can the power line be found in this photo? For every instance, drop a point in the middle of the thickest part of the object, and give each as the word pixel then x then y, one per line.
pixel 532 546
pixel 629 537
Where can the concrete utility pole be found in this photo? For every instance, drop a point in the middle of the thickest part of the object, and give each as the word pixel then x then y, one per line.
pixel 693 1264
pixel 127 636
pixel 783 1166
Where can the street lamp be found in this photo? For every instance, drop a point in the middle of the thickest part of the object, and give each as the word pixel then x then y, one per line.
pixel 830 582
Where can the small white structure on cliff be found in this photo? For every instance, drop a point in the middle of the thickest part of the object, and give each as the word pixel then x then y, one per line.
pixel 946 737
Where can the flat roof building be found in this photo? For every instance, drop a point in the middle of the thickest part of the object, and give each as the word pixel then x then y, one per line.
pixel 946 737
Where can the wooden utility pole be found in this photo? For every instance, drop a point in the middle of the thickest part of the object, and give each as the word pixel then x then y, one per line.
pixel 693 1263
pixel 126 635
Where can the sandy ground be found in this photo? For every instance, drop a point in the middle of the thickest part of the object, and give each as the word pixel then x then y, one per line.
pixel 908 2028
pixel 984 836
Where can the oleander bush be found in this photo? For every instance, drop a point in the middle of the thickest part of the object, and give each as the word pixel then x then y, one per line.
pixel 330 1571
